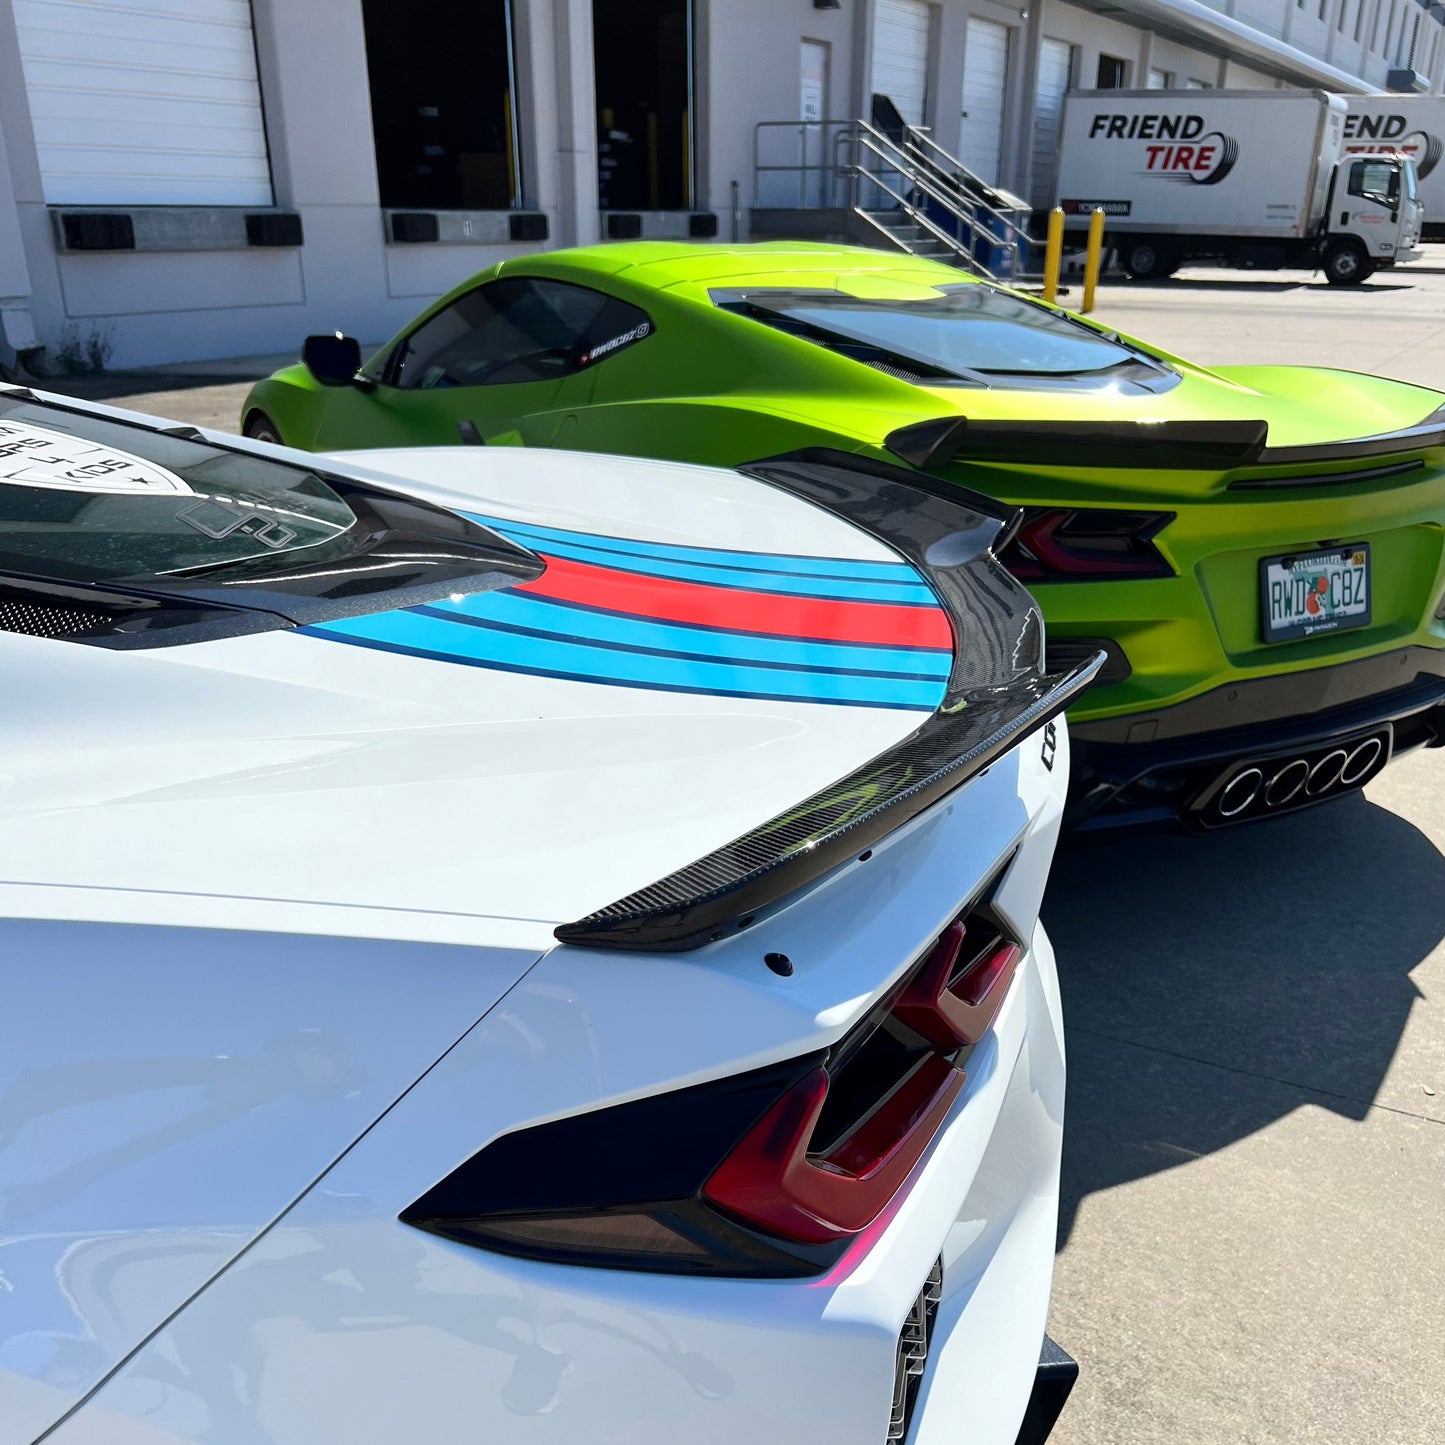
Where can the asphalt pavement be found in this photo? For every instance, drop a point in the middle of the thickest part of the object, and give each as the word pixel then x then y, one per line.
pixel 1252 1234
pixel 1252 1231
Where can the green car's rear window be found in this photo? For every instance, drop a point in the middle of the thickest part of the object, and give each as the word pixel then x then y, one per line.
pixel 959 335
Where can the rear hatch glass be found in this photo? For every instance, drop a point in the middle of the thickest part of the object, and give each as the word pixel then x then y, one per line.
pixel 965 335
pixel 115 518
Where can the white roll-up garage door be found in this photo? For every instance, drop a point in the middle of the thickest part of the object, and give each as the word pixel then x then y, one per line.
pixel 145 102
pixel 1055 63
pixel 900 55
pixel 985 80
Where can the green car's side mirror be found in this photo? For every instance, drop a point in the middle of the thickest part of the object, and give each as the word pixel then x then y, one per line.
pixel 333 360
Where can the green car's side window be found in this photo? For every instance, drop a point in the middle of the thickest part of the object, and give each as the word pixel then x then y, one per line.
pixel 515 329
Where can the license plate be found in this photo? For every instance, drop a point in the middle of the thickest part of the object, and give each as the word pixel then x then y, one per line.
pixel 1310 593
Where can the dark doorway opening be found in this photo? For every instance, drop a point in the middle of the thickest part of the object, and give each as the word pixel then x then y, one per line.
pixel 643 59
pixel 443 103
pixel 1113 73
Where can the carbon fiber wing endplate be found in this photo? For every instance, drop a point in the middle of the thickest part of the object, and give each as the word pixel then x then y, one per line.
pixel 998 693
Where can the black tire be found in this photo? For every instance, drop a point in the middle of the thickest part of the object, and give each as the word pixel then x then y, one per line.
pixel 1147 260
pixel 260 428
pixel 1346 264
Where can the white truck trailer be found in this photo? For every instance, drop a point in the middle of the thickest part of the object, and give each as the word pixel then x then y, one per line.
pixel 1411 125
pixel 1254 178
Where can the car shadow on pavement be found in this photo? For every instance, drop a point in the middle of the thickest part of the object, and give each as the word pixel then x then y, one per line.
pixel 1201 283
pixel 1252 288
pixel 120 385
pixel 1212 985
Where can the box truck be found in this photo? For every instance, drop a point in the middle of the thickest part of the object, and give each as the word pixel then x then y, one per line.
pixel 1246 177
pixel 1412 125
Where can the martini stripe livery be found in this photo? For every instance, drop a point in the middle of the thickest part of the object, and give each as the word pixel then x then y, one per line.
pixel 641 625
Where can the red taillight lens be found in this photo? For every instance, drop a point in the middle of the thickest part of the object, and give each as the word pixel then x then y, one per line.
pixel 1080 544
pixel 766 1173
pixel 953 998
pixel 771 1179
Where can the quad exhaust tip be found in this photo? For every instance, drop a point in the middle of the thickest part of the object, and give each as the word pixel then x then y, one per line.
pixel 1284 787
pixel 1360 761
pixel 1241 790
pixel 1282 784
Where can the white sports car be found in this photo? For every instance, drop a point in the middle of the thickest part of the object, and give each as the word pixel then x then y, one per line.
pixel 521 947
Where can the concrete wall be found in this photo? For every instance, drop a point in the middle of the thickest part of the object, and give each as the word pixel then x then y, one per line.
pixel 193 304
pixel 749 67
pixel 190 305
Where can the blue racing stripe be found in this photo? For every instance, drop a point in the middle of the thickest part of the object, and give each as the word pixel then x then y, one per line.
pixel 902 594
pixel 430 635
pixel 833 568
pixel 733 660
pixel 564 621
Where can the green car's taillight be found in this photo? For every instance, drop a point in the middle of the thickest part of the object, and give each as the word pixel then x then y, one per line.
pixel 1086 544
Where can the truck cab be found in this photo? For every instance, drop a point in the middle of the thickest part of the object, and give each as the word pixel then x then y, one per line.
pixel 1374 217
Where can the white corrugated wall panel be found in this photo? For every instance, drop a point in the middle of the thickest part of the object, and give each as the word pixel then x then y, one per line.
pixel 145 102
pixel 985 80
pixel 1055 65
pixel 900 55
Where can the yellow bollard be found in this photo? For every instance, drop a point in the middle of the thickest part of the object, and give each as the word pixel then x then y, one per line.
pixel 1092 259
pixel 1054 254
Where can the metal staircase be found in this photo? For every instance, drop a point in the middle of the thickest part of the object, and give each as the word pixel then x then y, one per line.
pixel 886 183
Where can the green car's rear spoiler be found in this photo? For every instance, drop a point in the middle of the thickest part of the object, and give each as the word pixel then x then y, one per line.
pixel 1178 445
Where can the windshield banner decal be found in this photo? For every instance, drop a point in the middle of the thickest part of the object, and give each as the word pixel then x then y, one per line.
pixel 31 456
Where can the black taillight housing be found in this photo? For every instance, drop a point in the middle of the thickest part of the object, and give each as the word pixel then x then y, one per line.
pixel 773 1172
pixel 1086 544
pixel 1065 652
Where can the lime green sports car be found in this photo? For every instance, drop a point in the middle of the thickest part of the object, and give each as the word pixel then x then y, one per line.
pixel 1260 550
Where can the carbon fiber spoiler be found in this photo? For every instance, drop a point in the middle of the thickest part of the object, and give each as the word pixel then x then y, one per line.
pixel 998 692
pixel 1179 445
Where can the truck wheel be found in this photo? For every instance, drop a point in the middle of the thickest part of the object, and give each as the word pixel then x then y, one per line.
pixel 1146 261
pixel 1346 264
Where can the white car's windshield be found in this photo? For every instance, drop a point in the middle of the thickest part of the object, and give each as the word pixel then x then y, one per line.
pixel 86 499
pixel 92 504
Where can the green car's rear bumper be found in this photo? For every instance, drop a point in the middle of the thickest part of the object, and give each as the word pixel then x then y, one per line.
pixel 1261 748
pixel 1193 693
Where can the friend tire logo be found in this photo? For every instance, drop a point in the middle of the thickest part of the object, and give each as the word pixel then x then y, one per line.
pixel 1386 135
pixel 1204 162
pixel 1425 149
pixel 1176 147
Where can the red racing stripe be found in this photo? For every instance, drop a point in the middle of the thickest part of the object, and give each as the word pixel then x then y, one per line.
pixel 668 600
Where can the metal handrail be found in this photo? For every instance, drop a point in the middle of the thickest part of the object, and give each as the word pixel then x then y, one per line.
pixel 920 217
pixel 802 169
pixel 956 169
pixel 957 203
pixel 963 207
pixel 857 147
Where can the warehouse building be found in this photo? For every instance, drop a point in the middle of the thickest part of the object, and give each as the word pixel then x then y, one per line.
pixel 186 179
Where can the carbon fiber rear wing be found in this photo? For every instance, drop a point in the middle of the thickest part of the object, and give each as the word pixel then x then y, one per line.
pixel 998 693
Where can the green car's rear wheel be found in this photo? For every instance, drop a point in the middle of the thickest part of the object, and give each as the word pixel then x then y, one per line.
pixel 259 427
